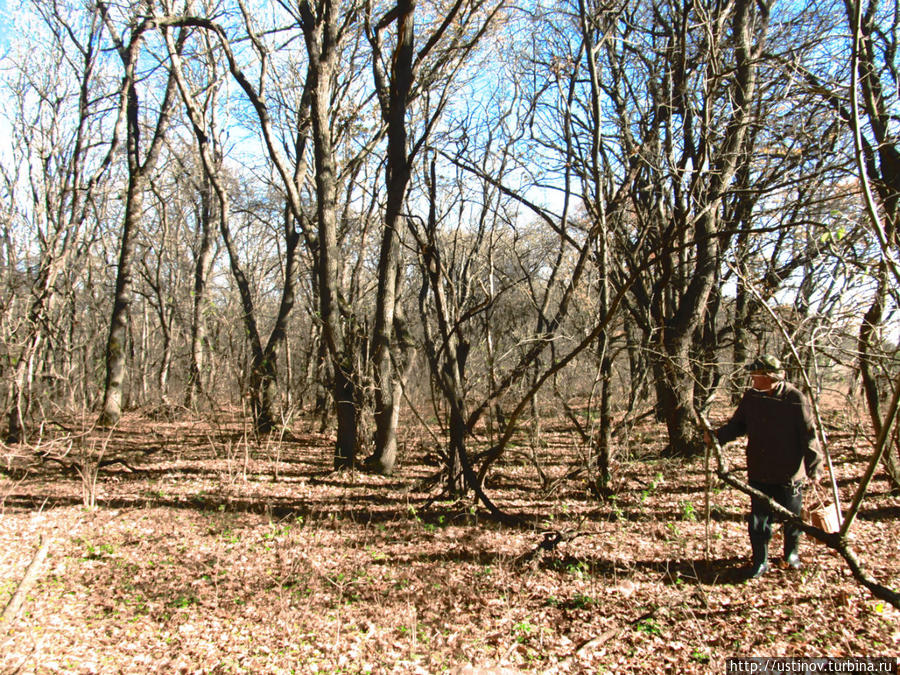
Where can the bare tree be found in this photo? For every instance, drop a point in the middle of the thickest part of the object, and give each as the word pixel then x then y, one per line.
pixel 141 162
pixel 870 112
pixel 685 100
pixel 204 216
pixel 413 74
pixel 60 112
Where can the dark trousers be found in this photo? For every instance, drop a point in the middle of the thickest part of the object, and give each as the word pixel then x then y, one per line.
pixel 760 520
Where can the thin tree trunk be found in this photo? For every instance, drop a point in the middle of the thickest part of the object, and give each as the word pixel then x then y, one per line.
pixel 198 323
pixel 165 364
pixel 604 446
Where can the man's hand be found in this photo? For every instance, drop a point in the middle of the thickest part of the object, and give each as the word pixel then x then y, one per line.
pixel 820 479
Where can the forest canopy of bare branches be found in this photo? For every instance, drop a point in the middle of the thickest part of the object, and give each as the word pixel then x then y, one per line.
pixel 485 209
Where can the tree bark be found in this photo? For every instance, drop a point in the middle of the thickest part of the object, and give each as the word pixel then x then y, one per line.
pixel 320 32
pixel 689 306
pixel 118 329
pixel 198 323
pixel 388 385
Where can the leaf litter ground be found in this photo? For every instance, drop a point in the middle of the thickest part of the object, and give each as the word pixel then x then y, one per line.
pixel 209 553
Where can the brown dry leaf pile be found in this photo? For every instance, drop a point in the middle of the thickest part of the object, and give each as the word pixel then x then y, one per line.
pixel 209 553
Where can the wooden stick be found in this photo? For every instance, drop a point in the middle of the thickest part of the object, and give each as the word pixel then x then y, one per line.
pixel 31 575
pixel 706 506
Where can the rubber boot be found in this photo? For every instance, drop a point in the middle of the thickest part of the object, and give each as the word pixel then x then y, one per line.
pixel 791 544
pixel 759 565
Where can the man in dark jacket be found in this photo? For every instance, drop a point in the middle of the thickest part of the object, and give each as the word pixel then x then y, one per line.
pixel 781 451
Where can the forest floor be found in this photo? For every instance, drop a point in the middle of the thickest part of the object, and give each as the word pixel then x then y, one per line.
pixel 206 552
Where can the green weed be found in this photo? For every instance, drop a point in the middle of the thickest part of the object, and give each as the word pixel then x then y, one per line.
pixel 649 626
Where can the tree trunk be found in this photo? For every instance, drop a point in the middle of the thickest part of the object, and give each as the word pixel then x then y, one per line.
pixel 118 329
pixel 638 380
pixel 321 35
pixel 387 387
pixel 261 379
pixel 387 384
pixel 867 329
pixel 603 440
pixel 264 389
pixel 138 175
pixel 740 352
pixel 344 391
pixel 676 405
pixel 165 364
pixel 198 323
pixel 458 430
pixel 676 386
pixel 867 332
pixel 384 458
pixel 16 429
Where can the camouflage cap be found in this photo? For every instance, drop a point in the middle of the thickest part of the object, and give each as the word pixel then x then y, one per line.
pixel 765 363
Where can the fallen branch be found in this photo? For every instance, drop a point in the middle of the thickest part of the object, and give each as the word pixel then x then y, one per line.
pixel 31 575
pixel 608 635
pixel 552 539
pixel 598 641
pixel 76 467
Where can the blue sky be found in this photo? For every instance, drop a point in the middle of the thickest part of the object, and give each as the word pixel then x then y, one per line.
pixel 4 38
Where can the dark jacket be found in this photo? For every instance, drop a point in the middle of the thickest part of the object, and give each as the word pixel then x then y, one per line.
pixel 781 437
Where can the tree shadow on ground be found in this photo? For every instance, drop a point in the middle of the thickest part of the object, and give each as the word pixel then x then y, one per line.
pixel 715 571
pixel 361 510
